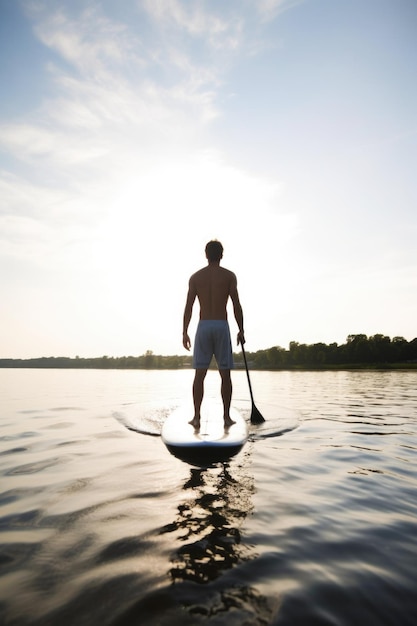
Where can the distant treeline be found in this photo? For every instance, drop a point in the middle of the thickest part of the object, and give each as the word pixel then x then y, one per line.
pixel 358 351
pixel 149 360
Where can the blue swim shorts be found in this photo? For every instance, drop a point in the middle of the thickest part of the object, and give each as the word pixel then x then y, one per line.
pixel 213 339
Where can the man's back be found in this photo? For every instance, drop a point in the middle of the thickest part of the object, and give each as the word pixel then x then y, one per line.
pixel 213 285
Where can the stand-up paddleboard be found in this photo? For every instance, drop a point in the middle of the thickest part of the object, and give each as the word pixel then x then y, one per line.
pixel 211 443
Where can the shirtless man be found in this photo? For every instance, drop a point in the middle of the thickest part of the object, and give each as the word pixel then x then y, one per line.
pixel 212 285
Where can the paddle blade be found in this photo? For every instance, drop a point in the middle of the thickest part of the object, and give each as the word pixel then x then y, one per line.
pixel 256 417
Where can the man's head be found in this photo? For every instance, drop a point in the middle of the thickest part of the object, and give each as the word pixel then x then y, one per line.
pixel 214 251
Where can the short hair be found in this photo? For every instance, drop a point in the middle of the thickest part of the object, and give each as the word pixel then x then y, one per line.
pixel 214 250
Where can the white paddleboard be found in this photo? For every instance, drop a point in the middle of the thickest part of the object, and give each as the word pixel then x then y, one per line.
pixel 209 444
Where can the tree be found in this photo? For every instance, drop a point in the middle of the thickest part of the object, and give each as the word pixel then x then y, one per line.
pixel 149 359
pixel 381 348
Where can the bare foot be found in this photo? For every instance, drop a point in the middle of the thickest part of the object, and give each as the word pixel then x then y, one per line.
pixel 195 422
pixel 228 422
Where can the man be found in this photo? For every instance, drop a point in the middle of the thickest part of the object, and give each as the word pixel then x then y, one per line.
pixel 212 285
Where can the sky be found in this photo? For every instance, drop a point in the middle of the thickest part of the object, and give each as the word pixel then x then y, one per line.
pixel 133 132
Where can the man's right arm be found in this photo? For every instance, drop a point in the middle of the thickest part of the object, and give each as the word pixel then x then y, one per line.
pixel 237 310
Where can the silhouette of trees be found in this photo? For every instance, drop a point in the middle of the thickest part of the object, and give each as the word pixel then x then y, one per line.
pixel 146 361
pixel 358 351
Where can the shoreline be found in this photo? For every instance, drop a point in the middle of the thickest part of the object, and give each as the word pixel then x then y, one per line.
pixel 57 363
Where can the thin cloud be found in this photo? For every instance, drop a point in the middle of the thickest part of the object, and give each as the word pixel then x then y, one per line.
pixel 20 197
pixel 270 9
pixel 32 142
pixel 96 95
pixel 91 43
pixel 197 20
pixel 101 121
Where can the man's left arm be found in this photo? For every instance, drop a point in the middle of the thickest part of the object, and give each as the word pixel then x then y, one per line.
pixel 191 296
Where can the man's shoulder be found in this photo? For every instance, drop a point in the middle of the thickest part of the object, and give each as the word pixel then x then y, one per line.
pixel 198 273
pixel 205 272
pixel 224 269
pixel 231 276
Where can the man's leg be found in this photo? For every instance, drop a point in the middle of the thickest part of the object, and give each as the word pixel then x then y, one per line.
pixel 226 396
pixel 198 393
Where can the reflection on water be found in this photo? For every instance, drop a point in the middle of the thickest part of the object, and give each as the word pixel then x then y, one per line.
pixel 209 525
pixel 208 544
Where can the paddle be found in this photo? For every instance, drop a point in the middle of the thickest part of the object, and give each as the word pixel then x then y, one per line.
pixel 255 416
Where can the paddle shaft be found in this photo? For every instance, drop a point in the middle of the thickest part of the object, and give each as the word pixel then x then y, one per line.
pixel 247 373
pixel 256 417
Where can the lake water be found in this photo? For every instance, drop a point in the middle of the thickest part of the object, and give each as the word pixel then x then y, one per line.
pixel 313 523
